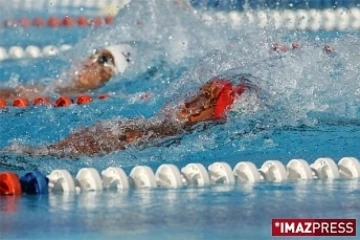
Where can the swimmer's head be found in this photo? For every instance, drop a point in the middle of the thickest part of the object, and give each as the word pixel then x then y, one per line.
pixel 101 66
pixel 211 102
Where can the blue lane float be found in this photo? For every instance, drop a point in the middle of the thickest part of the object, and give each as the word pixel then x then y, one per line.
pixel 34 183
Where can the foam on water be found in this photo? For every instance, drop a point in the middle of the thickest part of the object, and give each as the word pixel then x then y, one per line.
pixel 301 86
pixel 163 30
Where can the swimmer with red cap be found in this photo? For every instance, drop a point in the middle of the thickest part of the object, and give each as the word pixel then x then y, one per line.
pixel 93 73
pixel 209 104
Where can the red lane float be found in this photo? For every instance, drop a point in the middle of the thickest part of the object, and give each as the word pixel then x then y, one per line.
pixel 20 102
pixel 41 101
pixel 9 184
pixel 53 22
pixel 38 22
pixel 84 99
pixel 3 103
pixel 63 101
pixel 109 19
pixel 97 21
pixel 67 22
pixel 24 22
pixel 82 21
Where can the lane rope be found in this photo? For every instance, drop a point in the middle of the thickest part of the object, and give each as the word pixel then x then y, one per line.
pixel 170 176
pixel 342 19
pixel 306 20
pixel 86 7
pixel 66 101
pixel 55 22
pixel 31 51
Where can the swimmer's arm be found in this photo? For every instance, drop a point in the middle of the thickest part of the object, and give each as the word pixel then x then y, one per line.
pixel 76 87
pixel 87 141
pixel 99 140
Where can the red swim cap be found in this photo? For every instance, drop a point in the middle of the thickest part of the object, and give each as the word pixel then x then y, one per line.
pixel 226 96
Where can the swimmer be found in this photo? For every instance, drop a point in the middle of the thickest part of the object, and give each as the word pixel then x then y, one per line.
pixel 208 105
pixel 93 73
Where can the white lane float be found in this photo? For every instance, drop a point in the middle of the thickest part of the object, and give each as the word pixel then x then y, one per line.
pixel 299 169
pixel 115 178
pixel 349 167
pixel 88 179
pixel 343 19
pixel 222 17
pixel 277 19
pixel 329 18
pixel 325 168
pixel 262 18
pixel 273 171
pixel 143 177
pixel 236 19
pixel 246 172
pixel 32 51
pixel 3 54
pixel 196 174
pixel 303 19
pixel 61 181
pixel 50 51
pixel 221 173
pixel 315 20
pixel 290 19
pixel 355 14
pixel 16 52
pixel 168 176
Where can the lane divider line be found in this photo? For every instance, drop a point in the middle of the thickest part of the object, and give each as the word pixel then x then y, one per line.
pixel 55 22
pixel 170 176
pixel 66 101
pixel 342 19
pixel 305 20
pixel 31 51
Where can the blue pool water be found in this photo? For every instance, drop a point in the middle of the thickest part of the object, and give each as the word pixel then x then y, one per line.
pixel 241 212
pixel 309 109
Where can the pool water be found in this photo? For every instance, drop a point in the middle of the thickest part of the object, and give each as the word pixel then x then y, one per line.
pixel 241 212
pixel 309 108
